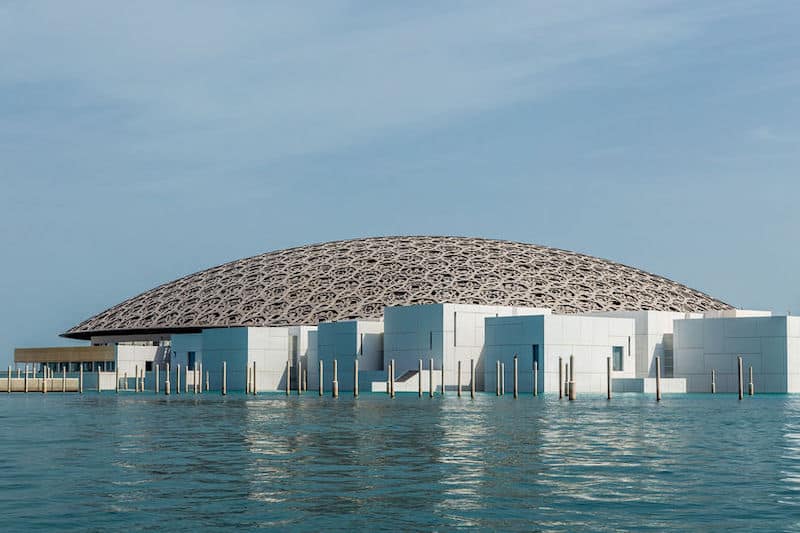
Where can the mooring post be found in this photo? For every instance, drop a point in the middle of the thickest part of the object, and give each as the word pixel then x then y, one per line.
pixel 177 379
pixel 497 379
pixel 355 377
pixel 26 377
pixel 208 381
pixel 305 379
pixel 80 378
pixel 224 384
pixel 740 377
pixel 64 379
pixel 658 378
pixel 335 384
pixel 156 378
pixel 167 383
pixel 44 380
pixel 9 379
pixel 430 379
pixel 472 378
pixel 391 378
pixel 255 379
pixel 299 377
pixel 572 391
pixel 459 378
pixel 99 388
pixel 321 383
pixel 116 376
pixel 419 379
pixel 186 380
pixel 560 378
pixel 566 380
pixel 135 379
pixel 713 381
pixel 750 388
pixel 536 378
pixel 516 376
pixel 608 376
pixel 502 379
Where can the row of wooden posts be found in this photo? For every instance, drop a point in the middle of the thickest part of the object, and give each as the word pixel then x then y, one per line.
pixel 566 379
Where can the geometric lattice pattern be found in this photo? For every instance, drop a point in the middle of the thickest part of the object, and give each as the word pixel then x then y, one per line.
pixel 357 278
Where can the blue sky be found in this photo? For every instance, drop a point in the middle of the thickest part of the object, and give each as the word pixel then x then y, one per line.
pixel 140 142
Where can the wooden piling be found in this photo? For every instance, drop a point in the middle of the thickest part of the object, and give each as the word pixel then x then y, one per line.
pixel 208 381
pixel 177 379
pixel 740 377
pixel 116 376
pixel 502 379
pixel 516 377
pixel 255 380
pixel 608 376
pixel 156 378
pixel 224 384
pixel 713 381
pixel 536 378
pixel 566 380
pixel 99 388
pixel 80 378
pixel 419 379
pixel 321 383
pixel 135 379
pixel 355 377
pixel 44 380
pixel 572 390
pixel 560 378
pixel 9 379
pixel 167 382
pixel 658 378
pixel 64 379
pixel 305 379
pixel 430 379
pixel 186 380
pixel 750 388
pixel 26 377
pixel 299 377
pixel 335 384
pixel 459 379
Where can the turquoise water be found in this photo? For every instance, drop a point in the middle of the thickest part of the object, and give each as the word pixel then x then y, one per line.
pixel 141 461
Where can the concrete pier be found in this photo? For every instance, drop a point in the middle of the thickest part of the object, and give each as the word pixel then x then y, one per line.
pixel 391 378
pixel 355 378
pixel 572 391
pixel 167 383
pixel 608 376
pixel 321 383
pixel 516 377
pixel 459 379
pixel 419 379
pixel 255 380
pixel 658 378
pixel 713 381
pixel 472 378
pixel 430 379
pixel 536 378
pixel 497 379
pixel 750 388
pixel 335 384
pixel 560 378
pixel 224 384
pixel 739 362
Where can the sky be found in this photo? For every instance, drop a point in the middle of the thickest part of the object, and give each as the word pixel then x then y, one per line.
pixel 143 141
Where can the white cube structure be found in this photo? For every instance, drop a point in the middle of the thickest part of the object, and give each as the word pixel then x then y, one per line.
pixel 345 342
pixel 770 344
pixel 590 340
pixel 446 333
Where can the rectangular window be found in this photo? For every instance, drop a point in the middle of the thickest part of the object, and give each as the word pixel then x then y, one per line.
pixel 190 363
pixel 148 366
pixel 617 357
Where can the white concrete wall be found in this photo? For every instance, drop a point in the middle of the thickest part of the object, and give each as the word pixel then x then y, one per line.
pixel 307 351
pixel 651 329
pixel 715 343
pixel 268 348
pixel 588 339
pixel 344 341
pixel 129 357
pixel 446 333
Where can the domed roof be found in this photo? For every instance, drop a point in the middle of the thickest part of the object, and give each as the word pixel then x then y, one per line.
pixel 351 279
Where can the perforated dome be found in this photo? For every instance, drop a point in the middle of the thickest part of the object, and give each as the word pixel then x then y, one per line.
pixel 355 279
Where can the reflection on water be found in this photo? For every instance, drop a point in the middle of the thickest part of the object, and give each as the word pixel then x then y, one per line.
pixel 307 463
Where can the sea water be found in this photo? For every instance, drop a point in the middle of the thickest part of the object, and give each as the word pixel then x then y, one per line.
pixel 196 462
